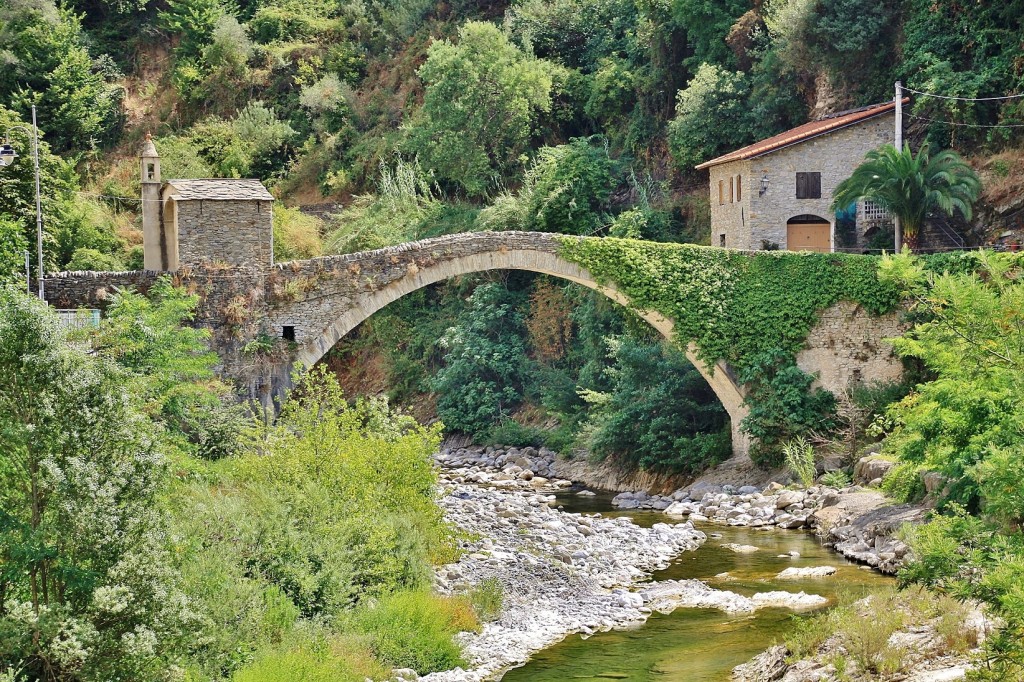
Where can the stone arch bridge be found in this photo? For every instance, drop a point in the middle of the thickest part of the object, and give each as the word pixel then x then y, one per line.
pixel 266 321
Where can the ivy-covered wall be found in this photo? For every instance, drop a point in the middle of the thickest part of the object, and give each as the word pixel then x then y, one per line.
pixel 735 305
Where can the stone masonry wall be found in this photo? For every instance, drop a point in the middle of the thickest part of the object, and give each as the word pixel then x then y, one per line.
pixel 834 155
pixel 729 217
pixel 237 233
pixel 847 347
pixel 248 309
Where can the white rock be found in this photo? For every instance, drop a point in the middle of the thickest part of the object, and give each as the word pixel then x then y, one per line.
pixel 789 600
pixel 809 572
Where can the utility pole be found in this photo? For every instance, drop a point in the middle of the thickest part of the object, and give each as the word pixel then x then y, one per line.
pixel 39 205
pixel 898 227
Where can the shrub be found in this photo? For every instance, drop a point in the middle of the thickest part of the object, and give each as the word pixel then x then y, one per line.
pixel 415 629
pixel 485 362
pixel 482 97
pixel 296 234
pixel 799 457
pixel 487 597
pixel 836 479
pixel 783 405
pixel 903 482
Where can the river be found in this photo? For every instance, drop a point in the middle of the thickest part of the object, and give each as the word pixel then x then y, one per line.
pixel 699 645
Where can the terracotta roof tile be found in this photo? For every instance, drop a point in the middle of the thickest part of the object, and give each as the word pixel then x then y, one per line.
pixel 803 133
pixel 220 189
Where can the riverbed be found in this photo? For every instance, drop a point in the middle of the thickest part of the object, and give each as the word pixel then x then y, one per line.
pixel 699 645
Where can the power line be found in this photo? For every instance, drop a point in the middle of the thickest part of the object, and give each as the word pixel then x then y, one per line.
pixel 961 99
pixel 967 125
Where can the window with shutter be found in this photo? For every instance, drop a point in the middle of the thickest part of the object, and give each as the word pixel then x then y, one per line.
pixel 721 192
pixel 732 190
pixel 808 185
pixel 739 188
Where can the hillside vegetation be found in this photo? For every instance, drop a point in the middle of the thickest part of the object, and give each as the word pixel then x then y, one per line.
pixel 389 121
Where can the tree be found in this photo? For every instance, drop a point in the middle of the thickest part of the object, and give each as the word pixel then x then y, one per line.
pixel 485 362
pixel 566 190
pixel 712 116
pixel 18 189
pixel 170 367
pixel 86 591
pixel 911 186
pixel 46 63
pixel 482 98
pixel 969 335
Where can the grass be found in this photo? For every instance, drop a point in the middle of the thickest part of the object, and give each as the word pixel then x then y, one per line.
pixel 311 657
pixel 857 634
pixel 487 598
pixel 416 629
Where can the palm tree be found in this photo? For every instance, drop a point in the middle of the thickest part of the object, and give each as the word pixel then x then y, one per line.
pixel 909 187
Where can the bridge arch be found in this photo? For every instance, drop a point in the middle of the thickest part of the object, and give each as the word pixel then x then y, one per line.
pixel 346 310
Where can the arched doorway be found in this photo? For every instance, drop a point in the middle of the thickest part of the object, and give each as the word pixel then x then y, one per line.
pixel 809 233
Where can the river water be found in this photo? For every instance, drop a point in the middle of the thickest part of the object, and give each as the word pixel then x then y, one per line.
pixel 700 645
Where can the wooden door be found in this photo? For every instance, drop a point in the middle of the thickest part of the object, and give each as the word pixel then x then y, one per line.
pixel 809 237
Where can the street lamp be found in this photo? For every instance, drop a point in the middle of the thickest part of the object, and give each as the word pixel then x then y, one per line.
pixel 7 156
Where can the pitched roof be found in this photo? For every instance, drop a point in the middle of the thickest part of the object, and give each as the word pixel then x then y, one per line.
pixel 804 133
pixel 220 189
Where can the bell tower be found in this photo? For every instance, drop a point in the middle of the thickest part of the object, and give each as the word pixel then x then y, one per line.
pixel 153 241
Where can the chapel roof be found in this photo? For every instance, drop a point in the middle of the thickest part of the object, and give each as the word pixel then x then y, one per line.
pixel 220 189
pixel 804 132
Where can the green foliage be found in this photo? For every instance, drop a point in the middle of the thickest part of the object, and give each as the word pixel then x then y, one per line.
pixel 752 312
pixel 911 186
pixel 252 144
pixel 733 306
pixel 416 629
pixel 783 406
pixel 799 457
pixel 481 101
pixel 967 559
pixel 566 190
pixel 712 116
pixel 17 187
pixel 404 206
pixel 673 423
pixel 965 54
pixel 311 653
pixel 92 259
pixel 330 507
pixel 47 63
pixel 13 246
pixel 485 362
pixel 708 23
pixel 487 597
pixel 171 367
pixel 967 334
pixel 88 592
pixel 836 479
pixel 297 235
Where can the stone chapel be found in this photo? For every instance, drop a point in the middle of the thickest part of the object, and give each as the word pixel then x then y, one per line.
pixel 216 221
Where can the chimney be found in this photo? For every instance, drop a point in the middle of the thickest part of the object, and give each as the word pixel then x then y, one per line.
pixel 153 243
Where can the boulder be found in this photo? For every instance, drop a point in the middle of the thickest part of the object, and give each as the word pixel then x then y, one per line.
pixel 788 498
pixel 871 467
pixel 767 666
pixel 809 572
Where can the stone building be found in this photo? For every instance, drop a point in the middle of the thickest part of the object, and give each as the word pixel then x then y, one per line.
pixel 223 221
pixel 777 193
